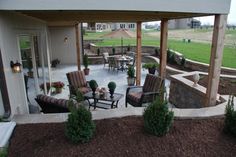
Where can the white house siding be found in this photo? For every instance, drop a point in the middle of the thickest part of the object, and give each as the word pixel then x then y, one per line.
pixel 1 105
pixel 61 49
pixel 11 24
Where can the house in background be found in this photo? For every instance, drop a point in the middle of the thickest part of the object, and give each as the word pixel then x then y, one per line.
pixel 110 26
pixel 184 23
pixel 54 26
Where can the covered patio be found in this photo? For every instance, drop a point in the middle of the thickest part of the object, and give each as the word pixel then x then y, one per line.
pixel 72 14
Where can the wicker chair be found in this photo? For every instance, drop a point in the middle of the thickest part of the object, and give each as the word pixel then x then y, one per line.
pixel 49 104
pixel 137 95
pixel 77 81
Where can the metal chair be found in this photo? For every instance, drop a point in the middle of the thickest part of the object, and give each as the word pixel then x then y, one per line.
pixel 137 95
pixel 105 56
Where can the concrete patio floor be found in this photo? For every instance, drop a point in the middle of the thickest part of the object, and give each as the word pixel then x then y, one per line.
pixel 97 72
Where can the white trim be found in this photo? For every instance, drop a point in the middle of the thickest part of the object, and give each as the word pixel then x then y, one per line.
pixel 184 6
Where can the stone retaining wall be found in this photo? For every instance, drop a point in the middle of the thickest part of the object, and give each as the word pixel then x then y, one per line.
pixel 145 49
pixel 184 95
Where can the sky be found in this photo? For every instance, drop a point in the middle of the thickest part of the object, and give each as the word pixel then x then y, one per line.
pixel 209 20
pixel 231 16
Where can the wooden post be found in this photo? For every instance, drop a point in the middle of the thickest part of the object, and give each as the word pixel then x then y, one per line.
pixel 216 59
pixel 163 48
pixel 78 46
pixel 138 53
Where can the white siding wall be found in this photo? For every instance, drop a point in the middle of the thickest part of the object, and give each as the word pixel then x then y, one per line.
pixel 11 24
pixel 64 51
pixel 1 105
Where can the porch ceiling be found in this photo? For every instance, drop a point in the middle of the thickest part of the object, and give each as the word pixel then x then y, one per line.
pixel 56 18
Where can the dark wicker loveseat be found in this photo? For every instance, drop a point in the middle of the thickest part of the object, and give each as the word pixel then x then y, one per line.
pixel 50 104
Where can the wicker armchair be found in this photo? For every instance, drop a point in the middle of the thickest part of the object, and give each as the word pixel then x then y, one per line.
pixel 137 95
pixel 77 81
pixel 50 104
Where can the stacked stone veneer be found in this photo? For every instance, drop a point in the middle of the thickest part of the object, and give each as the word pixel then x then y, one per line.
pixel 145 49
pixel 184 95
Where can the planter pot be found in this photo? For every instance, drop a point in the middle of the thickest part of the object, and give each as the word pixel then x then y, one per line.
pixel 111 93
pixel 94 90
pixel 131 81
pixel 151 70
pixel 58 90
pixel 86 71
pixel 30 74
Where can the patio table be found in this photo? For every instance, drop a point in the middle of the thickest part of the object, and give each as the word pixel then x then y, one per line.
pixel 106 99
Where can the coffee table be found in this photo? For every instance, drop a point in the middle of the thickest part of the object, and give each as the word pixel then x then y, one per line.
pixel 107 100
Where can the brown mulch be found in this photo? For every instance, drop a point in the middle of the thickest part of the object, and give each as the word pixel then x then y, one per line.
pixel 125 137
pixel 226 86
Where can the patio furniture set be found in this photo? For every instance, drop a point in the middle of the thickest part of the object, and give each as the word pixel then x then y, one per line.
pixel 135 95
pixel 119 62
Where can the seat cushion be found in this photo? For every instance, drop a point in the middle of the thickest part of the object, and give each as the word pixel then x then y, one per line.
pixel 46 99
pixel 152 83
pixel 77 79
pixel 62 103
pixel 135 96
pixel 84 90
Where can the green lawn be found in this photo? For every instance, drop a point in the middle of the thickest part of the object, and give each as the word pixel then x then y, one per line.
pixel 195 51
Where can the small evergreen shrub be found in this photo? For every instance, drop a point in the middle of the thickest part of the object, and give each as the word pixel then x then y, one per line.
pixel 79 126
pixel 230 117
pixel 157 118
pixel 3 152
pixel 131 71
pixel 111 85
pixel 98 51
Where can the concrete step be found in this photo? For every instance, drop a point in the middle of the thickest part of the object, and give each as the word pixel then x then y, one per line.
pixel 6 129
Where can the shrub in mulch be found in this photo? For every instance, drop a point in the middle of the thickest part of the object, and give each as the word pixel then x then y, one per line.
pixel 230 117
pixel 157 118
pixel 79 126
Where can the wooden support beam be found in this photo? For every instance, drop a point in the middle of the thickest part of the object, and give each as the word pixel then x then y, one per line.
pixel 138 53
pixel 163 48
pixel 78 46
pixel 216 59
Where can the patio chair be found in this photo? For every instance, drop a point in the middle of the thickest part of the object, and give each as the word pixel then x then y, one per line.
pixel 77 81
pixel 137 95
pixel 105 58
pixel 113 63
pixel 132 55
pixel 50 104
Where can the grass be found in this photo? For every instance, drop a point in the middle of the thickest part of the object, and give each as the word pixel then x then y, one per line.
pixel 194 51
pixel 3 152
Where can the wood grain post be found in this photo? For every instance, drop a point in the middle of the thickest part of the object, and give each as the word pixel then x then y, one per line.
pixel 216 59
pixel 138 53
pixel 78 45
pixel 163 48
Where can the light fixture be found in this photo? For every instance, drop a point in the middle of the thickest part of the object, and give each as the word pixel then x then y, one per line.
pixel 65 39
pixel 16 67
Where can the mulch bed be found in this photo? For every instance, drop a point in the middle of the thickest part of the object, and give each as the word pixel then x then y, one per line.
pixel 226 86
pixel 125 137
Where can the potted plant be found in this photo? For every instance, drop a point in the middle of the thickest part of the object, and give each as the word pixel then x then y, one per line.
pixel 131 77
pixel 86 63
pixel 55 62
pixel 58 86
pixel 128 48
pixel 112 86
pixel 98 51
pixel 47 86
pixel 113 50
pixel 151 67
pixel 93 85
pixel 29 67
